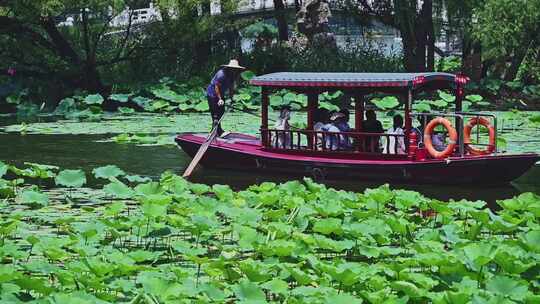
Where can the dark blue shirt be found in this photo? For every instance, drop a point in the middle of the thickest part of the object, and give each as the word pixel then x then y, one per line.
pixel 224 81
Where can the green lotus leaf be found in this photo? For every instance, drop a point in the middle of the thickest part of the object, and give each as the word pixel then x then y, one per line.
pixel 474 98
pixel 71 178
pixel 3 169
pixel 76 297
pixel 422 107
pixel 126 110
pixel 479 254
pixel 386 103
pixel 148 189
pixel 34 198
pixel 447 97
pixel 123 98
pixel 247 237
pixel 249 293
pixel 137 179
pixel 280 248
pixel 66 105
pixel 328 226
pixel 93 99
pixel 108 172
pixel 119 190
pixel 408 288
pixel 187 249
pixel 153 283
pixel 276 101
pixel 166 94
pixel 465 105
pixel 508 287
pixel 202 106
pixel 247 75
pixel 255 271
pixel 531 240
pixel 140 256
pixel 342 298
pixel 277 286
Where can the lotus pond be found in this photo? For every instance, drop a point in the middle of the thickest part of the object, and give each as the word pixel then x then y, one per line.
pixel 171 241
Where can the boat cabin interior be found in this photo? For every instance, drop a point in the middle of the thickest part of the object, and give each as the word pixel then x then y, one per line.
pixel 361 140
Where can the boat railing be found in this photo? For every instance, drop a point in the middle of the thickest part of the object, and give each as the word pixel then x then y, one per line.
pixel 335 142
pixel 459 123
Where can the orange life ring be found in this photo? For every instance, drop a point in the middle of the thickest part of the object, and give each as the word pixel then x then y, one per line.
pixel 452 134
pixel 467 136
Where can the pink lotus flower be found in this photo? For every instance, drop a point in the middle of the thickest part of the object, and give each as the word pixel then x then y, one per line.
pixel 11 72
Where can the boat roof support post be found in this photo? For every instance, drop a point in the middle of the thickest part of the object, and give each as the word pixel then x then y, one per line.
pixel 408 119
pixel 264 117
pixel 358 112
pixel 359 105
pixel 459 120
pixel 313 101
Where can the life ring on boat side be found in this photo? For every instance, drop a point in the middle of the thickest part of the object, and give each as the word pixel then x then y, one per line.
pixel 467 136
pixel 452 134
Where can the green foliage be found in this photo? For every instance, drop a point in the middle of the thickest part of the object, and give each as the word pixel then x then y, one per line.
pixel 108 172
pixel 386 103
pixel 298 242
pixel 71 178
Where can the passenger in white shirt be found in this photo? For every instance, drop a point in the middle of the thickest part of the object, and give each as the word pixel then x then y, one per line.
pixel 396 144
pixel 283 139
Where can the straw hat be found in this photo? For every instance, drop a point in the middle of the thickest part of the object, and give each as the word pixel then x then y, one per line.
pixel 233 64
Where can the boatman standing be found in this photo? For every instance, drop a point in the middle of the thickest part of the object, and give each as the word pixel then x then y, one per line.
pixel 222 82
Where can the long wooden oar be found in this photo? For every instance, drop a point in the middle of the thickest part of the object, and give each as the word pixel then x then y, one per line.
pixel 202 149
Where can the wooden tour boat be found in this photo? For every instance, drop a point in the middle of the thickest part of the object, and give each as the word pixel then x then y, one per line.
pixel 306 152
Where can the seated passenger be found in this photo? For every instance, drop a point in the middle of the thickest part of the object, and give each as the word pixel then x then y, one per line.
pixel 339 120
pixel 396 144
pixel 372 125
pixel 322 124
pixel 283 139
pixel 320 117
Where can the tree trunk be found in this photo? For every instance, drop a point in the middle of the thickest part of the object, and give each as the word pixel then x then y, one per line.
pixel 281 17
pixel 430 29
pixel 406 21
pixel 203 47
pixel 515 63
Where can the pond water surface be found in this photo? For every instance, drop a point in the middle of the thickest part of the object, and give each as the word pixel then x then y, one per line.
pixel 87 152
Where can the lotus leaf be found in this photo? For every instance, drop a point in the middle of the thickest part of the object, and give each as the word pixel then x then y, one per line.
pixel 249 293
pixel 479 254
pixel 108 172
pixel 119 190
pixel 34 198
pixel 93 99
pixel 531 240
pixel 123 98
pixel 386 103
pixel 71 178
pixel 328 226
pixel 3 169
pixel 248 75
pixel 126 110
pixel 507 287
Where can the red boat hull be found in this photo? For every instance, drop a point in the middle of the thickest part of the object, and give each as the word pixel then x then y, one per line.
pixel 244 152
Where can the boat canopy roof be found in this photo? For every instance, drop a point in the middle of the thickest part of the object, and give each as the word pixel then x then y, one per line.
pixel 368 82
